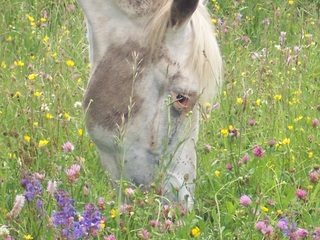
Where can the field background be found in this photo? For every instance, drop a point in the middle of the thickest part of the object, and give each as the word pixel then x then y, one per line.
pixel 270 102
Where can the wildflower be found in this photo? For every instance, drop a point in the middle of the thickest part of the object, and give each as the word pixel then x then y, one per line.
pixel 49 116
pixel 245 158
pixel 239 100
pixel 114 213
pixel 277 97
pixel 101 203
pixel 27 138
pixel 290 2
pixel 110 237
pixel 207 148
pixel 42 143
pixel 17 207
pixel 258 151
pixel 224 132
pixel 70 63
pixel 286 141
pixel 251 122
pixel 80 132
pixel 67 147
pixel 66 116
pixel 32 76
pixel 245 200
pixel 32 186
pixel 301 194
pixel 228 166
pixel 260 225
pixel 315 123
pixel 272 143
pixel 290 127
pixel 73 173
pixel 27 237
pixel 129 191
pixel 258 102
pixel 144 234
pixel 310 154
pixel 195 232
pixel 267 231
pixel 282 224
pixel 314 175
pixel 282 38
pixel 301 233
pixel 52 187
pixel 264 209
pixel 217 173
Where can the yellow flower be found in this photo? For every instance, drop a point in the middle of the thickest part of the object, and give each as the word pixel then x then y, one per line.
pixel 31 19
pixel 70 63
pixel 290 127
pixel 297 119
pixel 27 237
pixel 102 224
pixel 195 232
pixel 264 209
pixel 46 39
pixel 217 173
pixel 19 63
pixel 114 213
pixel 27 138
pixel 290 2
pixel 42 143
pixel 239 100
pixel 277 97
pixel 224 132
pixel 66 115
pixel 80 132
pixel 49 116
pixel 3 64
pixel 37 94
pixel 310 154
pixel 286 141
pixel 35 124
pixel 16 95
pixel 43 19
pixel 279 212
pixel 258 102
pixel 32 76
pixel 213 20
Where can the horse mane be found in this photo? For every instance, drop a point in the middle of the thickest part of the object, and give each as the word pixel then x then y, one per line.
pixel 206 60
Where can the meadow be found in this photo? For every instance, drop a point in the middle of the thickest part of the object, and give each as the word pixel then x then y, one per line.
pixel 258 153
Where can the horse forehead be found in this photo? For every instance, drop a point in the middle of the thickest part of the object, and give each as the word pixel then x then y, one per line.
pixel 136 7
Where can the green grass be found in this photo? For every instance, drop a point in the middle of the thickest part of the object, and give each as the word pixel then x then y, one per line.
pixel 39 89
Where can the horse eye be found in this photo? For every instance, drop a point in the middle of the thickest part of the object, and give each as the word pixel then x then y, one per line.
pixel 182 99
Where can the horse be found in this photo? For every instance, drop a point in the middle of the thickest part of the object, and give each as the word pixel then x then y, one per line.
pixel 154 64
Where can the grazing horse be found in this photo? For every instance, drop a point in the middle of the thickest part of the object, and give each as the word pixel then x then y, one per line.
pixel 154 62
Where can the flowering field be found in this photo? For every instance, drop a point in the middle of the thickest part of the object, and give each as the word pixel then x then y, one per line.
pixel 259 150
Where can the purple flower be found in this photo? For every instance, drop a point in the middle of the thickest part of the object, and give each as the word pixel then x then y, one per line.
pixel 301 232
pixel 260 225
pixel 267 231
pixel 245 200
pixel 315 123
pixel 282 38
pixel 283 224
pixel 31 185
pixel 258 151
pixel 251 122
pixel 228 166
pixel 110 237
pixel 67 147
pixel 245 158
pixel 314 176
pixel 144 234
pixel 272 143
pixel 17 207
pixel 301 193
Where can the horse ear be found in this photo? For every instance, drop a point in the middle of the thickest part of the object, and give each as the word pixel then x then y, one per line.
pixel 182 10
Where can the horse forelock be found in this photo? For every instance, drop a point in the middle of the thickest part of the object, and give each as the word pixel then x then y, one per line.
pixel 205 58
